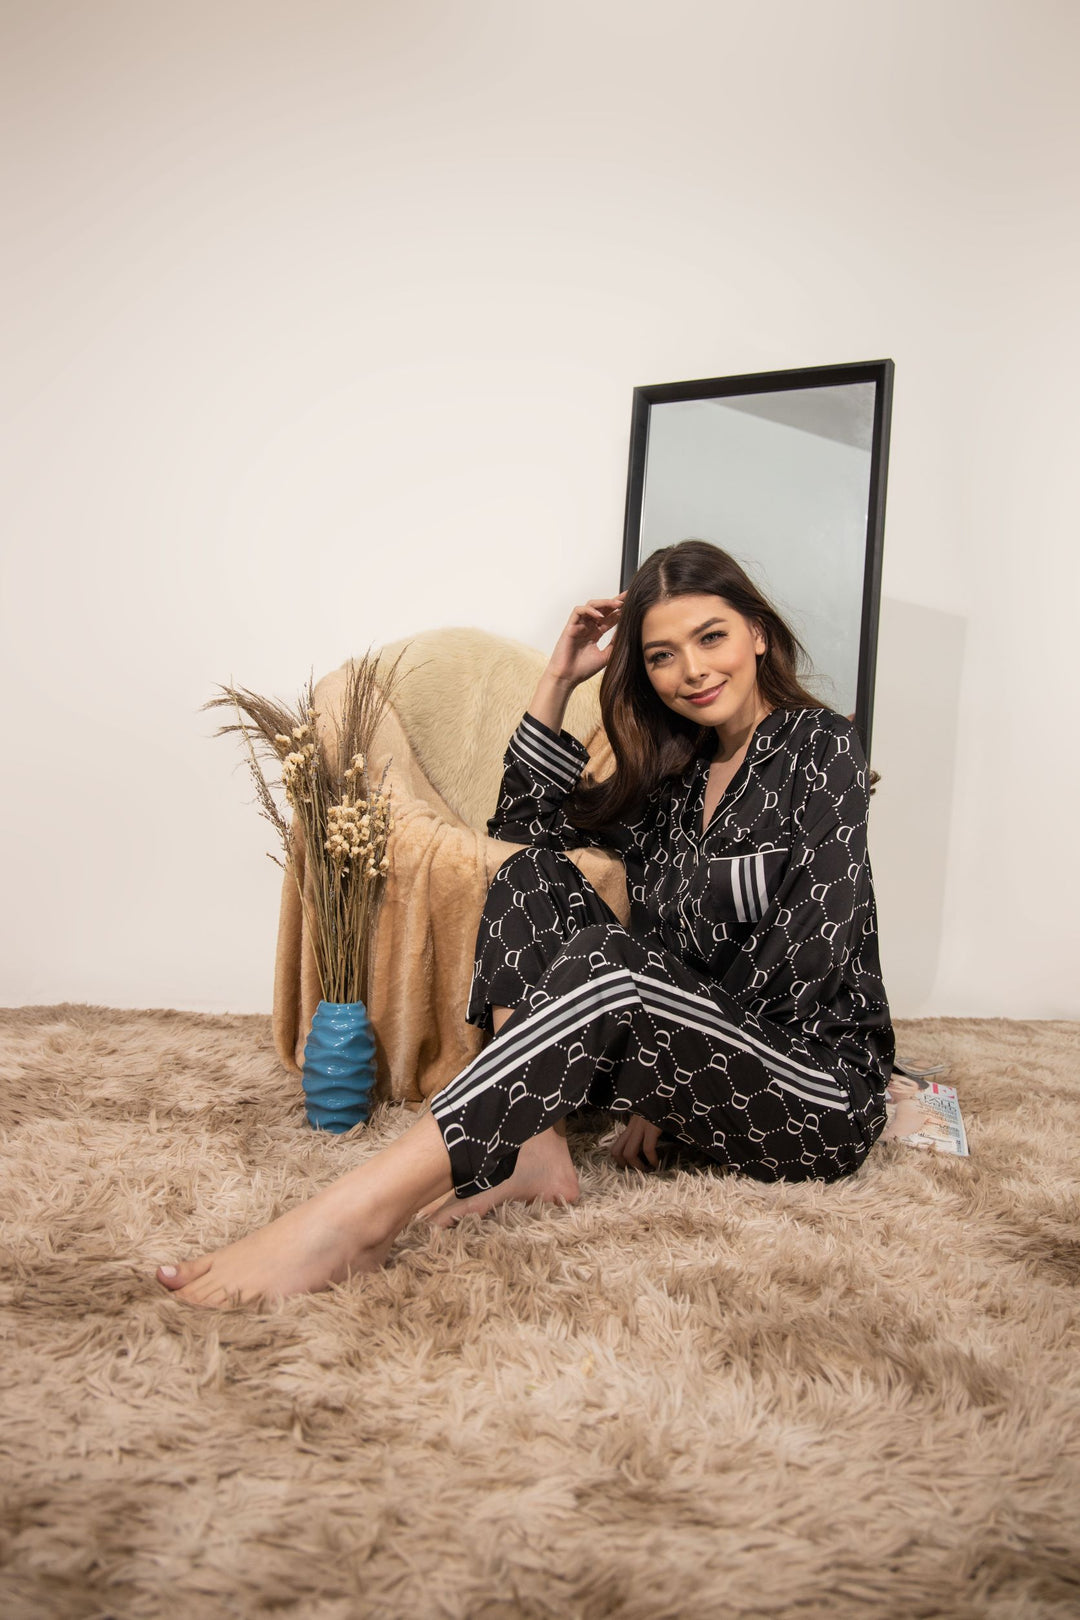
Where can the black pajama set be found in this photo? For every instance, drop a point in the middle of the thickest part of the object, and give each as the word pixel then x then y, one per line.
pixel 742 1008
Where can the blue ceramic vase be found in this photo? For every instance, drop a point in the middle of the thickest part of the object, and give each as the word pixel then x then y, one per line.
pixel 339 1066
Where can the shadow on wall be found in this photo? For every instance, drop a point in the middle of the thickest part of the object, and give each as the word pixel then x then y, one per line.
pixel 916 705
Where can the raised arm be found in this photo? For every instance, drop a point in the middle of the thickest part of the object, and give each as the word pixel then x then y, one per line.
pixel 542 763
pixel 577 657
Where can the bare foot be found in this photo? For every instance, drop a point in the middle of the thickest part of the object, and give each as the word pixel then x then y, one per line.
pixel 544 1170
pixel 303 1252
pixel 347 1228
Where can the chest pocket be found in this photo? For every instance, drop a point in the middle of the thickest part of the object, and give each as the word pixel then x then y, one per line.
pixel 741 887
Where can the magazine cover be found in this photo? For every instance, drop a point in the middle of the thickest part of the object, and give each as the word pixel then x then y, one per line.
pixel 923 1113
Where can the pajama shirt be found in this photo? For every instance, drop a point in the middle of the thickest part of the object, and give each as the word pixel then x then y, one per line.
pixel 741 1009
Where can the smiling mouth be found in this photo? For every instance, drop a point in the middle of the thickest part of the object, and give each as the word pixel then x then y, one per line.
pixel 707 697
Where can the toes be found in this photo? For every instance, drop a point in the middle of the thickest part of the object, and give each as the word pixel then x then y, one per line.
pixel 216 1290
pixel 205 1296
pixel 175 1277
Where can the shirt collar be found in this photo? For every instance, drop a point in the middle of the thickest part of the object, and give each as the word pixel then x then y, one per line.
pixel 769 734
pixel 773 732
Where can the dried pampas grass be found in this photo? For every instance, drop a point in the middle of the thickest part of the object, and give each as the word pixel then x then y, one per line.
pixel 690 1395
pixel 341 822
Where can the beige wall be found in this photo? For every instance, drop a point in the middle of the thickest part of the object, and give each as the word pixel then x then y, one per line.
pixel 322 323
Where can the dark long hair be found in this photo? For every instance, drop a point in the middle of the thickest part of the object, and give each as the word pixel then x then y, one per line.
pixel 650 741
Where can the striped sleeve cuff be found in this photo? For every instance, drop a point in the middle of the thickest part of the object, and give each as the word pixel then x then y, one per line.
pixel 560 758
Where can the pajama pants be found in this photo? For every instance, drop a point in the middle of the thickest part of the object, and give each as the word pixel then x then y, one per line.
pixel 605 1019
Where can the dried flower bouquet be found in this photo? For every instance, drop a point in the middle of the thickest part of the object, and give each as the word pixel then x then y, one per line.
pixel 341 822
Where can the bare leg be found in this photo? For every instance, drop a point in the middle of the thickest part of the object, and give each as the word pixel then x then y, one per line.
pixel 544 1170
pixel 348 1227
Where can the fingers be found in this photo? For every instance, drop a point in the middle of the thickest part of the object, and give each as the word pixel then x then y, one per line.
pixel 635 1147
pixel 618 1147
pixel 578 654
pixel 599 610
pixel 649 1138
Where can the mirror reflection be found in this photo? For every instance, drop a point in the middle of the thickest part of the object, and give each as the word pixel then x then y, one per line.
pixel 790 480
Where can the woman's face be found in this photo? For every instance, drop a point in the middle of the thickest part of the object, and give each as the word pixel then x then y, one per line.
pixel 901 1085
pixel 701 659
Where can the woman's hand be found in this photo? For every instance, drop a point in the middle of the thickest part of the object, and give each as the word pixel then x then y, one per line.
pixel 638 1141
pixel 575 659
pixel 577 655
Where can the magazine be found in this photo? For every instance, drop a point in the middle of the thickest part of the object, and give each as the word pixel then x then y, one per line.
pixel 923 1112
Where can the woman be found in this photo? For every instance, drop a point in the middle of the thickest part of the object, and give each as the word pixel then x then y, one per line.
pixel 741 1010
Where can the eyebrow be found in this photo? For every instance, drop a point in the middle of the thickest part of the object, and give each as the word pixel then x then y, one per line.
pixel 719 619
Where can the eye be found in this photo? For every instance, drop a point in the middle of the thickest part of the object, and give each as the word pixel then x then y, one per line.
pixel 654 658
pixel 713 635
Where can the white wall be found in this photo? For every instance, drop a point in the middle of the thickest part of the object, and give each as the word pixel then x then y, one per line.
pixel 322 324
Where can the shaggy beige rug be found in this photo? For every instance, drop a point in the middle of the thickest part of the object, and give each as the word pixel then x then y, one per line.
pixel 690 1396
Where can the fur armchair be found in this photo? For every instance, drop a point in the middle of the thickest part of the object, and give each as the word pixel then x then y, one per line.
pixel 460 695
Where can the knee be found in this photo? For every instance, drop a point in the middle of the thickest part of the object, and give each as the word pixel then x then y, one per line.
pixel 533 872
pixel 524 866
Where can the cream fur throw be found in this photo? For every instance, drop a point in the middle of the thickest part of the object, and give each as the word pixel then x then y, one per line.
pixel 461 694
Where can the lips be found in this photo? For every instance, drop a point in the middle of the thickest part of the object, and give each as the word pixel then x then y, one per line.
pixel 703 698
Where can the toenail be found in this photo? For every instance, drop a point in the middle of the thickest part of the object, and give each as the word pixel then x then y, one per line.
pixel 168 1271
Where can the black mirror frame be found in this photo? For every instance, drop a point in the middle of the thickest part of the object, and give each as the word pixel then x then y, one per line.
pixel 878 372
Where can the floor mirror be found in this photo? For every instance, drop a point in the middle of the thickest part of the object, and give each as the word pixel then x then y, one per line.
pixel 786 470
